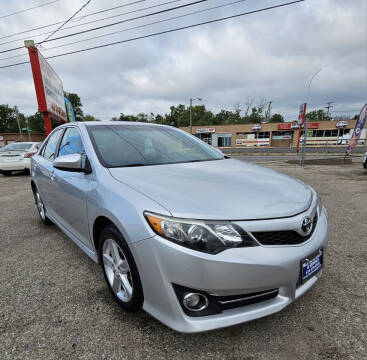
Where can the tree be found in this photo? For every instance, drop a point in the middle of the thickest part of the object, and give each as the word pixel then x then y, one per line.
pixel 10 118
pixel 90 118
pixel 256 116
pixel 36 123
pixel 316 115
pixel 77 105
pixel 124 117
pixel 276 118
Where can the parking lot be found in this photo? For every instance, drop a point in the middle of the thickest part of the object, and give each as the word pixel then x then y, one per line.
pixel 54 303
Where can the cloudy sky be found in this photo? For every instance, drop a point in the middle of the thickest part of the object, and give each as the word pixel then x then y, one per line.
pixel 265 56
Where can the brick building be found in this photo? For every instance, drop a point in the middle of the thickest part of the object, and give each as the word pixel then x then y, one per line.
pixel 333 133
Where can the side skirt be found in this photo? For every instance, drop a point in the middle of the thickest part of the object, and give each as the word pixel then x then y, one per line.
pixel 92 254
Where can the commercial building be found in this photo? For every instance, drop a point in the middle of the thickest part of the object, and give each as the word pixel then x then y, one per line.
pixel 332 133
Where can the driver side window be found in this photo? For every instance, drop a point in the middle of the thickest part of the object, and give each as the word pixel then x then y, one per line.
pixel 71 142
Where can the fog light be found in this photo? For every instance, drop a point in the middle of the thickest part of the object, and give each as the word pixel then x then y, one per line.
pixel 195 301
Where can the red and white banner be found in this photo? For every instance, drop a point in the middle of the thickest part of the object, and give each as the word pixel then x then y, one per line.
pixel 301 122
pixel 302 114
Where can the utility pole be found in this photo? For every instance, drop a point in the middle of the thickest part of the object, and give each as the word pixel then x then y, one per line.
pixel 328 107
pixel 191 100
pixel 29 134
pixel 17 119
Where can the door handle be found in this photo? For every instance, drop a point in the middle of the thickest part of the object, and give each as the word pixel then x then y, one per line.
pixel 52 175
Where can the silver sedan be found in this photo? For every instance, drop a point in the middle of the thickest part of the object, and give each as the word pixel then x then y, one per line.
pixel 198 240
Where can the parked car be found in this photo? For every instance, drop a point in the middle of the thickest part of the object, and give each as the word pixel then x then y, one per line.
pixel 17 156
pixel 365 160
pixel 198 240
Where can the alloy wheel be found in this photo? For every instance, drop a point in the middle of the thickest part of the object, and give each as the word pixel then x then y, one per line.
pixel 117 270
pixel 40 206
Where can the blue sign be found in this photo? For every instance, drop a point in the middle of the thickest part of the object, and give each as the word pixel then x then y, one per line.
pixel 69 110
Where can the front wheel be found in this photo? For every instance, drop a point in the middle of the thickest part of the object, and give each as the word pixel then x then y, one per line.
pixel 120 270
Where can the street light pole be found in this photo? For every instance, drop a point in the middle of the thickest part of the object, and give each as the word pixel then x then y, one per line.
pixel 302 162
pixel 191 100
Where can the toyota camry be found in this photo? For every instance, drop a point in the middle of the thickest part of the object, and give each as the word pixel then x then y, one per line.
pixel 197 239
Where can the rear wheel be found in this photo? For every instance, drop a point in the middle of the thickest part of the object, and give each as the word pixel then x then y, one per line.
pixel 120 270
pixel 41 208
pixel 7 173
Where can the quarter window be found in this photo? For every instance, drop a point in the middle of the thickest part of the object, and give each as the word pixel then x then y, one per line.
pixel 71 142
pixel 50 149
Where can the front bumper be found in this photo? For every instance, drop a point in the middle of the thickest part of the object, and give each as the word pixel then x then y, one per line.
pixel 239 271
pixel 23 164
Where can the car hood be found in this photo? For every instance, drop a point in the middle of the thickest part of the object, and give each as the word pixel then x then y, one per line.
pixel 226 189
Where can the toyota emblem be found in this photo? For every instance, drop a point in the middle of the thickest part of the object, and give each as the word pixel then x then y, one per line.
pixel 306 226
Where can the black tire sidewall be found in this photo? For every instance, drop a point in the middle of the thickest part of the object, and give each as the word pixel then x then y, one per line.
pixel 136 302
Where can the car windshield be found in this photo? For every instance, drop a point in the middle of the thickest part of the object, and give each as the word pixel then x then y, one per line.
pixel 139 145
pixel 17 147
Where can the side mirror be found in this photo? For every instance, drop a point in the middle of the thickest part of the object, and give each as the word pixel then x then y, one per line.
pixel 73 162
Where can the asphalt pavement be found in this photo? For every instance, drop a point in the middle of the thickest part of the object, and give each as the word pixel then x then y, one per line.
pixel 54 303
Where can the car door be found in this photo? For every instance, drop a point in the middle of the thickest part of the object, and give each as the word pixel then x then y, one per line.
pixel 71 188
pixel 42 170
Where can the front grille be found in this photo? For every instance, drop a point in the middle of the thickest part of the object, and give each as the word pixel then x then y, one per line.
pixel 287 237
pixel 230 302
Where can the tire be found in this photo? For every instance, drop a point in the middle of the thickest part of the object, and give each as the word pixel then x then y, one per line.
pixel 7 173
pixel 123 280
pixel 41 208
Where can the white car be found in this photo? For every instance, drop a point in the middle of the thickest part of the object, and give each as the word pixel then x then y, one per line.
pixel 17 156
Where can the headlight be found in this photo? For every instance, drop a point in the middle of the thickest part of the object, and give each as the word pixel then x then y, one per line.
pixel 210 237
pixel 318 200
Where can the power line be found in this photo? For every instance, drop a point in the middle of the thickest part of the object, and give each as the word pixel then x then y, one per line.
pixel 77 18
pixel 28 9
pixel 129 12
pixel 131 28
pixel 62 25
pixel 98 20
pixel 164 32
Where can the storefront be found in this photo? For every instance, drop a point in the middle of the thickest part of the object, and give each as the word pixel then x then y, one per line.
pixel 323 133
pixel 211 137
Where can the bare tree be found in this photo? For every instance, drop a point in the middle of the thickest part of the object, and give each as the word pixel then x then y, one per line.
pixel 248 104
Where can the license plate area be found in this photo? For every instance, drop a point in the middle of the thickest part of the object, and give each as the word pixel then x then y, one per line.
pixel 311 265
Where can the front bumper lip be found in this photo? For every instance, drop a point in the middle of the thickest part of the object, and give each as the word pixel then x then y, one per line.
pixel 231 272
